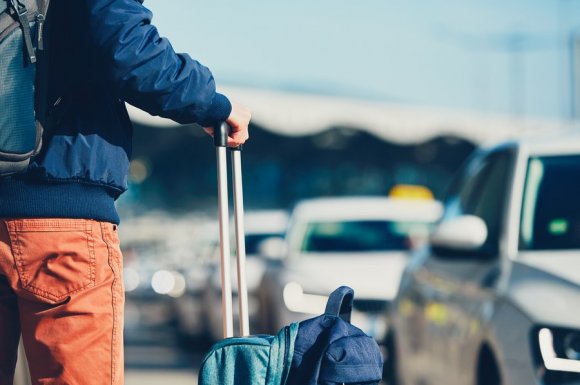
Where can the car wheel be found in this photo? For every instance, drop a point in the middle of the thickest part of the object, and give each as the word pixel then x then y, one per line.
pixel 487 368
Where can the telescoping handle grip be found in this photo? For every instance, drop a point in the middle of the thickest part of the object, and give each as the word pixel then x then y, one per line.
pixel 220 136
pixel 220 141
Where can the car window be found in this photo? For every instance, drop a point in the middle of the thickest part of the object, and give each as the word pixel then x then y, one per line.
pixel 357 236
pixel 482 192
pixel 489 199
pixel 551 206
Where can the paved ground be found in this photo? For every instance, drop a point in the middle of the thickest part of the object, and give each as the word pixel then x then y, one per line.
pixel 156 356
pixel 153 357
pixel 148 377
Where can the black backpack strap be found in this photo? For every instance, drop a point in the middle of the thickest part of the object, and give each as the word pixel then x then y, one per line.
pixel 340 303
pixel 21 11
pixel 42 68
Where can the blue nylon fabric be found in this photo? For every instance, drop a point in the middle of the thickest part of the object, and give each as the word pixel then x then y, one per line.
pixel 144 69
pixel 255 360
pixel 103 53
pixel 79 149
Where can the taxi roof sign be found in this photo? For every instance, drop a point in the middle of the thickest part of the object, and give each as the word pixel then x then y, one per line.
pixel 406 191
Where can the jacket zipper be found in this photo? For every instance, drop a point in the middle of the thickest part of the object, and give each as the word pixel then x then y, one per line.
pixel 41 18
pixel 39 39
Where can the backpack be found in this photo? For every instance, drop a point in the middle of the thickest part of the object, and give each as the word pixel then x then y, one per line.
pixel 324 350
pixel 253 360
pixel 21 48
pixel 329 350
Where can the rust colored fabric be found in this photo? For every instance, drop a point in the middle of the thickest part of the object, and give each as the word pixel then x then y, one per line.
pixel 61 287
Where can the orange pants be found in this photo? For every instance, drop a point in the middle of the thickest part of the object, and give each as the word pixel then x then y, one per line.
pixel 61 288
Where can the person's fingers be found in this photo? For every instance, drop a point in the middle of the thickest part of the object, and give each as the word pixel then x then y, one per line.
pixel 239 132
pixel 238 138
pixel 238 121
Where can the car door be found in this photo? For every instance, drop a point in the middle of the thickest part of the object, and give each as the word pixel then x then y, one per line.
pixel 408 360
pixel 458 285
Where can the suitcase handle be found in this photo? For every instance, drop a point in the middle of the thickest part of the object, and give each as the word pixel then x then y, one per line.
pixel 220 141
pixel 220 136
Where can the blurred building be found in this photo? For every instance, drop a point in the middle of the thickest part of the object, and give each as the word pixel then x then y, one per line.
pixel 305 145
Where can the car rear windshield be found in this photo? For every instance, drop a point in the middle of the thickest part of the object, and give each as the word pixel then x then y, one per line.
pixel 551 206
pixel 357 236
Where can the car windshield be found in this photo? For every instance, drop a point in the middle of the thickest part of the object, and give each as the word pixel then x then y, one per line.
pixel 357 236
pixel 551 206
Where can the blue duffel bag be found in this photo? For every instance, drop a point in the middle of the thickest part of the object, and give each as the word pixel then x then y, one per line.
pixel 324 350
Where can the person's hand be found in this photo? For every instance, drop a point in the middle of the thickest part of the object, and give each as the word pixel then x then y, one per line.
pixel 238 121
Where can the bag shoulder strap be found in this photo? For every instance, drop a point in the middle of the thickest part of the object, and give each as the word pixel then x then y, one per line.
pixel 42 69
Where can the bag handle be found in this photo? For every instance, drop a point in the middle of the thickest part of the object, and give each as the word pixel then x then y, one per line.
pixel 220 136
pixel 340 303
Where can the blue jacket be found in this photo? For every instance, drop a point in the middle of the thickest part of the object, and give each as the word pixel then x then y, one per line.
pixel 104 53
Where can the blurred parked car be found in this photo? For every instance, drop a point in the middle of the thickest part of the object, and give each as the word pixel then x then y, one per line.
pixel 260 226
pixel 162 263
pixel 356 241
pixel 495 299
pixel 188 306
pixel 149 287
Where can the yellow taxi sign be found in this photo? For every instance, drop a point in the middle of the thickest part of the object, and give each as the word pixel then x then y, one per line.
pixel 406 191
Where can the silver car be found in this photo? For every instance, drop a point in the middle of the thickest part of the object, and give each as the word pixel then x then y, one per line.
pixel 495 299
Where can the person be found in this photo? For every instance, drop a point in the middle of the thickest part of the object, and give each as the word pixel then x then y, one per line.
pixel 61 284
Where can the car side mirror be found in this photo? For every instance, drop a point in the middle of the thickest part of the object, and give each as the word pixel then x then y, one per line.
pixel 467 233
pixel 273 248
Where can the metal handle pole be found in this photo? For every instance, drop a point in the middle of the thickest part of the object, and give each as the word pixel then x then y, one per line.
pixel 240 241
pixel 220 141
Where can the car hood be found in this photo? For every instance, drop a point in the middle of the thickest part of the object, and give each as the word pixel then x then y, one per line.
pixel 371 275
pixel 547 288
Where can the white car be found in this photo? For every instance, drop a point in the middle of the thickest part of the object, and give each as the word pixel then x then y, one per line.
pixel 495 299
pixel 361 242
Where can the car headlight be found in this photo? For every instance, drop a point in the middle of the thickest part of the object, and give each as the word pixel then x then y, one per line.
pixel 171 283
pixel 131 279
pixel 559 349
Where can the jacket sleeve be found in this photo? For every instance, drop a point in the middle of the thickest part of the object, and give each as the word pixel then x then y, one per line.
pixel 144 68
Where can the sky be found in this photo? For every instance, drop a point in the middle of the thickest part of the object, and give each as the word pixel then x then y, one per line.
pixel 494 57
